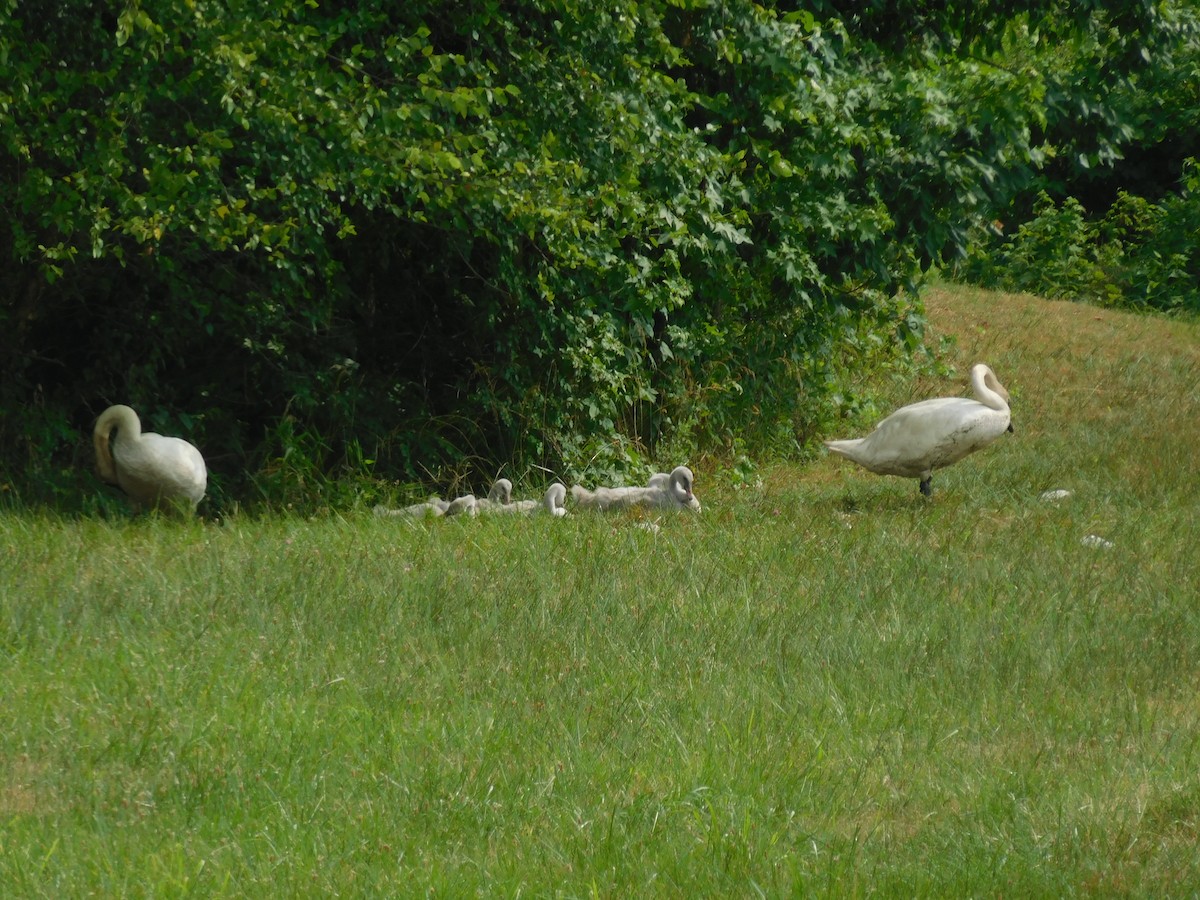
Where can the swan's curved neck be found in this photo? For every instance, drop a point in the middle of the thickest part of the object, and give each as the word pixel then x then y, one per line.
pixel 680 487
pixel 988 389
pixel 501 492
pixel 555 495
pixel 122 418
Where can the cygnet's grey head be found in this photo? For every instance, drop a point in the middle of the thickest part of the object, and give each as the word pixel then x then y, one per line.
pixel 681 487
pixel 555 499
pixel 501 491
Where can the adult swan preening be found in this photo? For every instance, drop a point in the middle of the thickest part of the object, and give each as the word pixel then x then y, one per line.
pixel 933 434
pixel 148 467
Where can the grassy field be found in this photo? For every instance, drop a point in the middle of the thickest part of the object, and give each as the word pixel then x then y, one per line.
pixel 826 686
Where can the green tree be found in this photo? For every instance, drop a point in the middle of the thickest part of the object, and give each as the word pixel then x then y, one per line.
pixel 449 236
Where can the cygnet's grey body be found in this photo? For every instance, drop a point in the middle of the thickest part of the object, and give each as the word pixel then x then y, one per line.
pixel 432 508
pixel 552 501
pixel 675 494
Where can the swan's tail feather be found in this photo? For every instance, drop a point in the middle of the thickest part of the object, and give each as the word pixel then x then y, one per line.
pixel 847 448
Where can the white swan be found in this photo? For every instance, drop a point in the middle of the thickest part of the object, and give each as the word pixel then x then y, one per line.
pixel 675 494
pixel 148 467
pixel 933 434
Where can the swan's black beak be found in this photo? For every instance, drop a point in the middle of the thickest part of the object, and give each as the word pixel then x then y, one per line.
pixel 1009 429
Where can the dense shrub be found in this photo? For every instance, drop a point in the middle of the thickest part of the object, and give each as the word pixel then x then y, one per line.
pixel 1112 216
pixel 1138 255
pixel 432 239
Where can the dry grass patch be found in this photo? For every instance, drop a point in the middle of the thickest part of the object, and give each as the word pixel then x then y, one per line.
pixel 1068 362
pixel 19 791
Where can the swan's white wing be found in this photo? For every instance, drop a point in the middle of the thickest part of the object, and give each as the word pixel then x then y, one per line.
pixel 923 436
pixel 157 466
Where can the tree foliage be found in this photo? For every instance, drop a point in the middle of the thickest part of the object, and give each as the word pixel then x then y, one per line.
pixel 1139 254
pixel 446 237
pixel 1114 217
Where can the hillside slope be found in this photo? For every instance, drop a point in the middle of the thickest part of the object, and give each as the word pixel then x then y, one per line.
pixel 1101 397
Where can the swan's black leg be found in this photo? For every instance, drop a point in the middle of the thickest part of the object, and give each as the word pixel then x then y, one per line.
pixel 927 486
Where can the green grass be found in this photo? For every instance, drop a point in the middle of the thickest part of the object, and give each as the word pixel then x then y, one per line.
pixel 827 686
